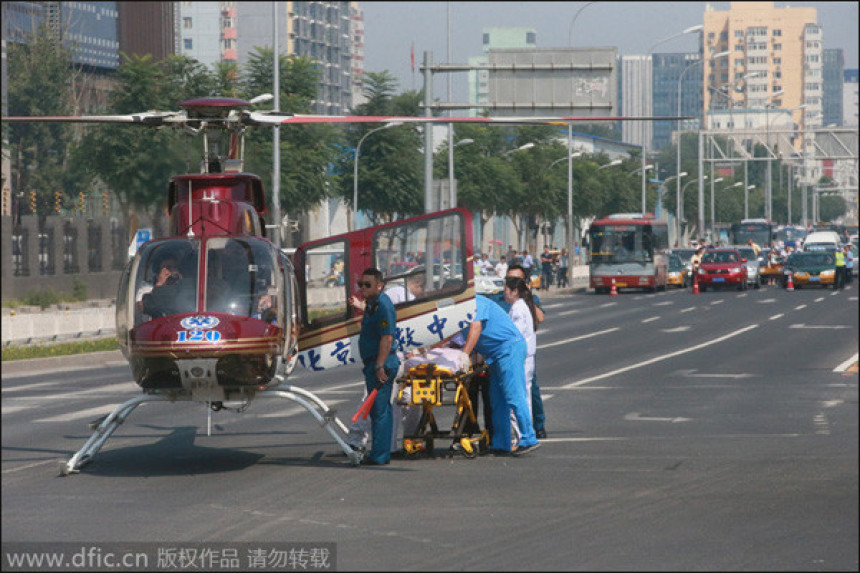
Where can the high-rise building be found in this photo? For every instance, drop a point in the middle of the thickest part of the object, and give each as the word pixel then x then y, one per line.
pixel 833 69
pixel 318 30
pixel 147 28
pixel 636 98
pixel 356 45
pixel 850 98
pixel 667 71
pixel 493 38
pixel 776 58
pixel 207 31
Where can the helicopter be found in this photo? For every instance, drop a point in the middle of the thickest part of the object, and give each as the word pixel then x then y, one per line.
pixel 215 313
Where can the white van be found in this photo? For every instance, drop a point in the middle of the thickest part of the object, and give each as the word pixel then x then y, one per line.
pixel 821 240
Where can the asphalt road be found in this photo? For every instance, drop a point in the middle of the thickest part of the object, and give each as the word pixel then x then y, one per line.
pixel 686 432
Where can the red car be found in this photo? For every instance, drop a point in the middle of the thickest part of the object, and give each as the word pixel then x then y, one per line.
pixel 722 267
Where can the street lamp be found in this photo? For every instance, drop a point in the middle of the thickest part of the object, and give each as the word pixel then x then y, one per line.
pixel 572 22
pixel 738 184
pixel 612 163
pixel 679 197
pixel 715 181
pixel 689 30
pixel 659 207
pixel 523 147
pixel 569 159
pixel 451 171
pixel 355 170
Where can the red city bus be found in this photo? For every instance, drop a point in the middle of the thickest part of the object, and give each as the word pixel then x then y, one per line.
pixel 629 248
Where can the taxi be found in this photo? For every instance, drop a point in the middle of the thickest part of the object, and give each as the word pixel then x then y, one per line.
pixel 679 273
pixel 810 268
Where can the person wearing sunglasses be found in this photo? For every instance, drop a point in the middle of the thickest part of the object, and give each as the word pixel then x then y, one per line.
pixel 377 348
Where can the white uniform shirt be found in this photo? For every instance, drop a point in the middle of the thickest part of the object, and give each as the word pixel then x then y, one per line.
pixel 522 318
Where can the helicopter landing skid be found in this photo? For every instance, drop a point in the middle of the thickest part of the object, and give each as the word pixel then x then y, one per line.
pixel 107 426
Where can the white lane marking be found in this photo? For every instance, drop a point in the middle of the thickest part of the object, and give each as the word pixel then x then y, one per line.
pixel 24 467
pixel 104 409
pixel 6 410
pixel 560 440
pixel 295 410
pixel 29 386
pixel 555 305
pixel 652 319
pixel 565 313
pixel 676 329
pixel 607 304
pixel 834 293
pixel 743 295
pixel 574 339
pixel 774 317
pixel 767 300
pixel 714 302
pixel 819 299
pixel 845 365
pixel 635 417
pixel 692 374
pixel 689 309
pixel 127 387
pixel 800 306
pixel 660 358
pixel 664 303
pixel 820 326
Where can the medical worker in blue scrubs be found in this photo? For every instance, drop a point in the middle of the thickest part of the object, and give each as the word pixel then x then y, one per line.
pixel 493 334
pixel 377 347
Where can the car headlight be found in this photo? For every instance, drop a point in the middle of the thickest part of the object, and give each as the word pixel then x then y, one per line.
pixel 800 274
pixel 829 273
pixel 702 272
pixel 737 270
pixel 674 274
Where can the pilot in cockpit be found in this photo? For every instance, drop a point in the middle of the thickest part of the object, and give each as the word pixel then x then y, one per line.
pixel 178 294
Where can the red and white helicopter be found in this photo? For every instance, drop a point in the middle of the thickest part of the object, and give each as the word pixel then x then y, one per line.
pixel 215 313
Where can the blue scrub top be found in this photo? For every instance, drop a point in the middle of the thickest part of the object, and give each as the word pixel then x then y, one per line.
pixel 379 319
pixel 498 332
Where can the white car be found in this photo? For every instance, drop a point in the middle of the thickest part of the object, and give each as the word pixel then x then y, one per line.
pixel 485 284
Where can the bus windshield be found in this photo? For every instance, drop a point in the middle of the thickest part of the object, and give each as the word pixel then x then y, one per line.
pixel 760 233
pixel 621 244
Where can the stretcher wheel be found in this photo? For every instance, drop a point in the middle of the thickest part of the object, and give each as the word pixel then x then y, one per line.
pixel 468 449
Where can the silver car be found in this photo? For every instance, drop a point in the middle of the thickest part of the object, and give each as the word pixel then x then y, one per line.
pixel 753 264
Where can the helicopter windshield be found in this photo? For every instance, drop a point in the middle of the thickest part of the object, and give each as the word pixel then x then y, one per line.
pixel 241 278
pixel 166 279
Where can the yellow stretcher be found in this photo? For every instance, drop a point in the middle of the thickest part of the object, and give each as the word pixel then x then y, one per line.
pixel 431 386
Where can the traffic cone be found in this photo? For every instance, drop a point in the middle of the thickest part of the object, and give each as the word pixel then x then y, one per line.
pixel 695 282
pixel 614 291
pixel 790 284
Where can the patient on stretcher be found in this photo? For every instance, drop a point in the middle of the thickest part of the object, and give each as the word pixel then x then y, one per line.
pixel 453 360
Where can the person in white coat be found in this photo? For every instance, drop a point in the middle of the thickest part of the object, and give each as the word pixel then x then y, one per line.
pixel 524 316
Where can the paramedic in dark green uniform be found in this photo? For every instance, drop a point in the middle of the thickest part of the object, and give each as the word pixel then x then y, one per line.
pixel 377 348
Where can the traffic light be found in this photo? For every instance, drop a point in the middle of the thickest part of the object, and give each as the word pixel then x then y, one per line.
pixel 58 201
pixel 106 202
pixel 32 201
pixel 6 208
pixel 82 202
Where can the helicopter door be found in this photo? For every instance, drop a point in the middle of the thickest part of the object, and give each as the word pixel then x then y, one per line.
pixel 426 264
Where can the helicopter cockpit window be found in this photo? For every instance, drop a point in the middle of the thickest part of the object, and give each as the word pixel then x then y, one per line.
pixel 404 253
pixel 242 278
pixel 166 279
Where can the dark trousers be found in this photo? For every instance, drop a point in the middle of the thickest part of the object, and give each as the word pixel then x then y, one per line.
pixel 839 280
pixel 562 277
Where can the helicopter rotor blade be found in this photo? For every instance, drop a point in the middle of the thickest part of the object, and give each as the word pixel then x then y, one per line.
pixel 148 118
pixel 281 118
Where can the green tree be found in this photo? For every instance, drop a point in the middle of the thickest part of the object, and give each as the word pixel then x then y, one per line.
pixel 307 151
pixel 136 166
pixel 40 80
pixel 390 165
